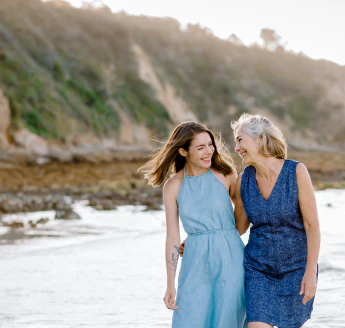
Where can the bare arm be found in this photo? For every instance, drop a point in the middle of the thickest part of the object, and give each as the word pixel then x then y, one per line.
pixel 232 188
pixel 170 192
pixel 307 204
pixel 242 222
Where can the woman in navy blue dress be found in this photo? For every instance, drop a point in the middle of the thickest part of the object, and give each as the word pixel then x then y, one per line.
pixel 275 195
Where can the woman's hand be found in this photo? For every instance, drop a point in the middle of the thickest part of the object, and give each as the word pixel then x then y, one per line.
pixel 182 248
pixel 308 286
pixel 169 298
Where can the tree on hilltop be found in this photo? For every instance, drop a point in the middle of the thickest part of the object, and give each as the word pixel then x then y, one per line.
pixel 270 38
pixel 233 38
pixel 95 4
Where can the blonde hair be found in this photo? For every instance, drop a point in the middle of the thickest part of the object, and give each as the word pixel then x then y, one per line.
pixel 273 141
pixel 168 158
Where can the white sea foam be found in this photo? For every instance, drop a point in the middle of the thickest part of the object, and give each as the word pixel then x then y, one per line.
pixel 107 269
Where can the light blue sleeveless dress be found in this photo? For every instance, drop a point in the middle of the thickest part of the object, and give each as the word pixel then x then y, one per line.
pixel 211 281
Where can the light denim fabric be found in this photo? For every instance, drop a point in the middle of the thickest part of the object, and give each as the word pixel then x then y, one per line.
pixel 211 281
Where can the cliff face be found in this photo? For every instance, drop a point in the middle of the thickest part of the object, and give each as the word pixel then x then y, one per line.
pixel 5 121
pixel 75 81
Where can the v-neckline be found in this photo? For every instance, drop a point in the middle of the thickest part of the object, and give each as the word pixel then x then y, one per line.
pixel 257 187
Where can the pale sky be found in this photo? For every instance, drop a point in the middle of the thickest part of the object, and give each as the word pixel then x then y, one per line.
pixel 317 28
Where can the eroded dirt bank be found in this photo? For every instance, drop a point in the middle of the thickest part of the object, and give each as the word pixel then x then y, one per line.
pixel 106 185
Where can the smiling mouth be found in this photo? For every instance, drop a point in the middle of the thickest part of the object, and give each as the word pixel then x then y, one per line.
pixel 243 154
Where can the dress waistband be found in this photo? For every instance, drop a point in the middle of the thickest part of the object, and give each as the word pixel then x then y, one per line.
pixel 207 232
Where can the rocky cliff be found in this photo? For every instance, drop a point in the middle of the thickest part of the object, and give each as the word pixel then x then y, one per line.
pixel 89 85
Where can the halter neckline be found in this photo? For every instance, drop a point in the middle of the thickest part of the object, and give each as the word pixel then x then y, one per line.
pixel 194 176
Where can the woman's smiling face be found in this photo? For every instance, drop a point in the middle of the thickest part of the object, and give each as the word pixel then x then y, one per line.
pixel 200 150
pixel 246 146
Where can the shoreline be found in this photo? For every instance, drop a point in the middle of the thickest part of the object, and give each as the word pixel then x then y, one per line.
pixel 106 185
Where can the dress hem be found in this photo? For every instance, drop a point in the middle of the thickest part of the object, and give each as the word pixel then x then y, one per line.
pixel 280 326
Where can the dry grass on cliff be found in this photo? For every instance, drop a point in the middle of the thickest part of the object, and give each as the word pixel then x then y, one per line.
pixel 63 67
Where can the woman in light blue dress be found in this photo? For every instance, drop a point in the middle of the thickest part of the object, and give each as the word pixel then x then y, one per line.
pixel 211 281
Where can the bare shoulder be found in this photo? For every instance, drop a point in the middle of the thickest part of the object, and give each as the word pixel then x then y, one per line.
pixel 301 171
pixel 172 185
pixel 301 168
pixel 239 177
pixel 227 180
pixel 238 182
pixel 220 174
pixel 302 176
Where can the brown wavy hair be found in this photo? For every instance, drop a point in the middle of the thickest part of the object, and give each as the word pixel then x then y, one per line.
pixel 168 158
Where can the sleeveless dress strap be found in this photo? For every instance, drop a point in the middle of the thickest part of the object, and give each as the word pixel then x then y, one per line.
pixel 184 171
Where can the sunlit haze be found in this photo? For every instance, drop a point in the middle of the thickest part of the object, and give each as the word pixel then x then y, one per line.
pixel 315 28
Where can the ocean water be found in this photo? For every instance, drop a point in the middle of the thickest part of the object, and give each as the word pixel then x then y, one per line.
pixel 108 269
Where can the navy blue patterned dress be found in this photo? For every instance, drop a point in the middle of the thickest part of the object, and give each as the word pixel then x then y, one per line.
pixel 276 254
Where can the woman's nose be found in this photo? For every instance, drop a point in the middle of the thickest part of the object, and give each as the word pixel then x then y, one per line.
pixel 237 147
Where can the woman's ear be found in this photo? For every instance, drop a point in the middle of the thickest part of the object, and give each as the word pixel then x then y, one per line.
pixel 258 142
pixel 182 152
